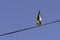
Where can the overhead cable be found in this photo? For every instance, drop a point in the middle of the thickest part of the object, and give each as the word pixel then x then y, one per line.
pixel 28 28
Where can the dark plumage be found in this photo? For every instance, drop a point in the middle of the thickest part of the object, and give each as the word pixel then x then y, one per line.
pixel 39 19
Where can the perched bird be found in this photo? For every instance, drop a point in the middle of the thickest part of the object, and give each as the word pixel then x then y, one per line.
pixel 39 19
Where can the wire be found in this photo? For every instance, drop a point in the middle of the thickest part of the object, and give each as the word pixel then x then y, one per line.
pixel 29 28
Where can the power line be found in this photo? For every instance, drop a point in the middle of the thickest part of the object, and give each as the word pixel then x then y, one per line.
pixel 29 28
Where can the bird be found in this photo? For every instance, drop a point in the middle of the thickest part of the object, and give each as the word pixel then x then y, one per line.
pixel 39 19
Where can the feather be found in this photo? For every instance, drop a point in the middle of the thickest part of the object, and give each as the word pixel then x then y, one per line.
pixel 39 19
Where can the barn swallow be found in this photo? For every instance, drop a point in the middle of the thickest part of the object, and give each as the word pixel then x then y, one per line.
pixel 39 19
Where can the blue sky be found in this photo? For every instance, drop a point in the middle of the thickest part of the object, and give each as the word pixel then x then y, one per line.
pixel 18 14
